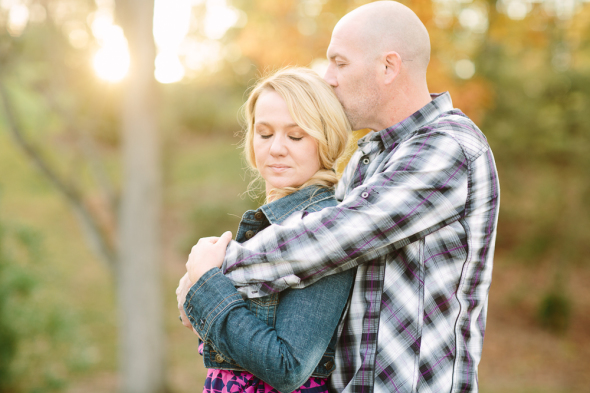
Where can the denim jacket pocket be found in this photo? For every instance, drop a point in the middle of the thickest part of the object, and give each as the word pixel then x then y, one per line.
pixel 265 308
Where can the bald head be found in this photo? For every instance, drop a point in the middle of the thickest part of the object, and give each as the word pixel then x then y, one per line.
pixel 388 26
pixel 378 56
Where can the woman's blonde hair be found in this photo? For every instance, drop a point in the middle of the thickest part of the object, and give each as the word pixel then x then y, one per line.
pixel 316 109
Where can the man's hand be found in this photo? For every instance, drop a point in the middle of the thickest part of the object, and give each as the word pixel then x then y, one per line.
pixel 208 253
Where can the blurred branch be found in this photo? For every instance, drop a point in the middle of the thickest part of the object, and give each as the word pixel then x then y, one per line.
pixel 97 239
pixel 88 147
pixel 98 171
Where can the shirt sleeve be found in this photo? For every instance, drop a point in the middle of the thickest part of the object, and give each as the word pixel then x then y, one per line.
pixel 420 188
pixel 284 356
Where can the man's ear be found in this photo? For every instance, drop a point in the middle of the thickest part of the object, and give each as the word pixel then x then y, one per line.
pixel 393 65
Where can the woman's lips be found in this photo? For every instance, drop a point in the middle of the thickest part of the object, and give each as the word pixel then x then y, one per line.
pixel 278 168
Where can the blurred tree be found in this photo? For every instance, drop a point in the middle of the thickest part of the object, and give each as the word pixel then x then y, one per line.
pixel 62 100
pixel 139 240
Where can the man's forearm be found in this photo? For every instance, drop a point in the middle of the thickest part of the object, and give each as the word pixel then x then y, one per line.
pixel 422 188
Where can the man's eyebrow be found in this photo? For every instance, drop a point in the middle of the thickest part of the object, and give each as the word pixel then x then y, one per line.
pixel 335 55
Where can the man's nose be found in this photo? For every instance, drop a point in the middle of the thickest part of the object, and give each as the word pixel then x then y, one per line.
pixel 330 76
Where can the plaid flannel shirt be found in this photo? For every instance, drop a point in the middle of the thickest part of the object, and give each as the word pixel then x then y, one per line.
pixel 418 219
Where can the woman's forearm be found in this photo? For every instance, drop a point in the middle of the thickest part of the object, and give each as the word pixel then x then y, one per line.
pixel 284 356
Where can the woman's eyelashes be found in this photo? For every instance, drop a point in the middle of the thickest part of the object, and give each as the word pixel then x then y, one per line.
pixel 269 135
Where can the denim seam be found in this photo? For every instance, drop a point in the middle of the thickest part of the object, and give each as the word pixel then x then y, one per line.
pixel 203 283
pixel 208 325
pixel 314 198
pixel 309 203
pixel 220 304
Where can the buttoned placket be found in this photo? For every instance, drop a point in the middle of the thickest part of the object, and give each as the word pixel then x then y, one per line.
pixel 370 147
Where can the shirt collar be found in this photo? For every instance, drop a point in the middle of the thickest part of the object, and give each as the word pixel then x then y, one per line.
pixel 440 103
pixel 279 210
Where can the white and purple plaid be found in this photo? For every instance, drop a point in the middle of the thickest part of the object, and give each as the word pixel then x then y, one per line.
pixel 418 217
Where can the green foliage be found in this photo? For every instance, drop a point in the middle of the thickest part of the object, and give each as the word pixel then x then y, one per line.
pixel 36 339
pixel 554 311
pixel 539 128
pixel 15 286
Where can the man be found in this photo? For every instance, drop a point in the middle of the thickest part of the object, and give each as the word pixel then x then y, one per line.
pixel 420 201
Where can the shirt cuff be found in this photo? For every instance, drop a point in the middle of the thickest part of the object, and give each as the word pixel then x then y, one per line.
pixel 211 296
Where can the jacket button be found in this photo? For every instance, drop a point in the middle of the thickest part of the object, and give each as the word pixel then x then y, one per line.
pixel 329 364
pixel 258 215
pixel 249 234
pixel 218 358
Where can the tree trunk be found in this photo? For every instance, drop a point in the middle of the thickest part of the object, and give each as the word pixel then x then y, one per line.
pixel 139 281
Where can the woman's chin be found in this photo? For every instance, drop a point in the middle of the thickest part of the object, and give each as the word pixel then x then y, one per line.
pixel 282 184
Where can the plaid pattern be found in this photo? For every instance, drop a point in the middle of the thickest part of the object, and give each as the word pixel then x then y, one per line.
pixel 418 217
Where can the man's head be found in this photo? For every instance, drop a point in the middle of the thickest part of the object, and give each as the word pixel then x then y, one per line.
pixel 378 56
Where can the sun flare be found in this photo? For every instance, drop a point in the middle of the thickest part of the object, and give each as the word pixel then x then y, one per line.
pixel 111 61
pixel 176 49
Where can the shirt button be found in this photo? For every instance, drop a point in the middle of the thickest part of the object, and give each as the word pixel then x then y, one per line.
pixel 249 234
pixel 366 160
pixel 218 358
pixel 364 195
pixel 258 215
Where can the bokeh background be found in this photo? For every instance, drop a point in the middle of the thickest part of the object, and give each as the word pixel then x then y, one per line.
pixel 119 134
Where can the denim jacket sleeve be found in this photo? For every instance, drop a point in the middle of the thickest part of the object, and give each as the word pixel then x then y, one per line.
pixel 284 356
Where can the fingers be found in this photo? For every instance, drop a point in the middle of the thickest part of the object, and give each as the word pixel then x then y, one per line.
pixel 185 320
pixel 224 240
pixel 213 239
pixel 210 239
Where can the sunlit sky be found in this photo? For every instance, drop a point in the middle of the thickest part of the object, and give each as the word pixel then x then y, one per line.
pixel 179 52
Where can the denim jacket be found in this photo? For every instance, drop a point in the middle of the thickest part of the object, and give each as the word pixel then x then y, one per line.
pixel 282 338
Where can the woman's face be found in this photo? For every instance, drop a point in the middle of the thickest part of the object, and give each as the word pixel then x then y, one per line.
pixel 285 154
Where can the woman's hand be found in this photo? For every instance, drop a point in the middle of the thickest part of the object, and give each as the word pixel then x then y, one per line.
pixel 183 287
pixel 208 253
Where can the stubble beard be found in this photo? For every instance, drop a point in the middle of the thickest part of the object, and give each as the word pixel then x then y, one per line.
pixel 353 114
pixel 362 115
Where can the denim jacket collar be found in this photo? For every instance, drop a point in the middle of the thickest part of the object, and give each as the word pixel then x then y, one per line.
pixel 312 198
pixel 277 211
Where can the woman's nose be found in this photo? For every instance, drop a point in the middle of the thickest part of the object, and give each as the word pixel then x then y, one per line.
pixel 278 147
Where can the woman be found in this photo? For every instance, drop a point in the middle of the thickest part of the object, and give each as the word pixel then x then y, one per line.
pixel 296 132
